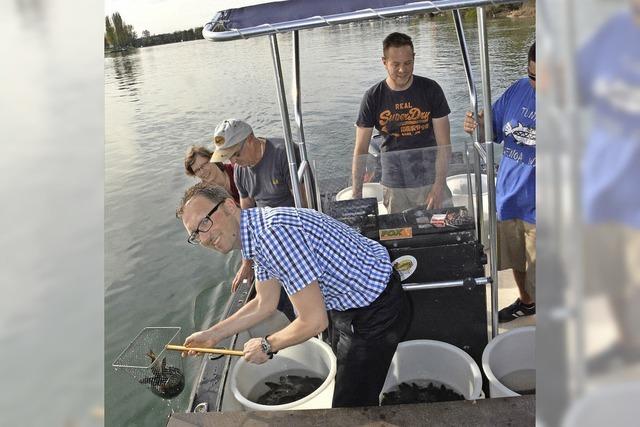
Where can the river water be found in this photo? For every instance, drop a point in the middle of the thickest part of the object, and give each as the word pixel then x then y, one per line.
pixel 160 100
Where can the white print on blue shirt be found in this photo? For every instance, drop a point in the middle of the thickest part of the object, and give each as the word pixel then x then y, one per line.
pixel 522 134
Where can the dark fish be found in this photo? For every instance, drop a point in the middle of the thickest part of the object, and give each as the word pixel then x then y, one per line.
pixel 167 381
pixel 289 389
pixel 414 394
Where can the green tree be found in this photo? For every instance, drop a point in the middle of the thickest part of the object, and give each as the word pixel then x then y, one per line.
pixel 118 34
pixel 110 33
pixel 118 25
pixel 130 34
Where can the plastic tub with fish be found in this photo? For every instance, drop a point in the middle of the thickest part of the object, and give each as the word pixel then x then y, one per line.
pixel 292 372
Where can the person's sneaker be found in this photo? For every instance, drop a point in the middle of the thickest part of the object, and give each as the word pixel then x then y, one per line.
pixel 515 310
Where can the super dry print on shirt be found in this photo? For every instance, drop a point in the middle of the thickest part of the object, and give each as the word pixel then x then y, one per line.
pixel 406 120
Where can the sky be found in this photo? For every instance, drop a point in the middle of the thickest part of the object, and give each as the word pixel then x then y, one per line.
pixel 167 16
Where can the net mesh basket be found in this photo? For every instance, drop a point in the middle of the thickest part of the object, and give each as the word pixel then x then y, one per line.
pixel 151 365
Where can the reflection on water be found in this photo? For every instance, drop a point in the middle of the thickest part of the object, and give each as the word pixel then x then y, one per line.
pixel 162 99
pixel 125 68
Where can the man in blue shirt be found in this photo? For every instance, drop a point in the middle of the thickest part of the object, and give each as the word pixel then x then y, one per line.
pixel 327 269
pixel 514 125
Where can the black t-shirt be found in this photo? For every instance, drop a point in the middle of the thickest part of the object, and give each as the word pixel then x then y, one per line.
pixel 404 118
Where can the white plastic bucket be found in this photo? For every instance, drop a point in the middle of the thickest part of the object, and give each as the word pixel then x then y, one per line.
pixel 459 190
pixel 369 189
pixel 508 353
pixel 311 358
pixel 428 360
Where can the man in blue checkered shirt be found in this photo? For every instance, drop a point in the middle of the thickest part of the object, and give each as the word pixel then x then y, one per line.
pixel 328 270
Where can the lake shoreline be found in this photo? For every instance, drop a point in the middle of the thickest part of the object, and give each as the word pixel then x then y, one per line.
pixel 525 10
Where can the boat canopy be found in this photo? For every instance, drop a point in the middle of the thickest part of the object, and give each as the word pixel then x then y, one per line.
pixel 283 16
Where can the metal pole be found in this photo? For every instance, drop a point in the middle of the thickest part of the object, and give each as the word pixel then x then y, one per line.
pixel 314 172
pixel 572 242
pixel 474 107
pixel 479 281
pixel 305 169
pixel 491 186
pixel 284 114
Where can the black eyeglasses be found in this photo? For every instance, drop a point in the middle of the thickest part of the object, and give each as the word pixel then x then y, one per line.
pixel 204 226
pixel 532 77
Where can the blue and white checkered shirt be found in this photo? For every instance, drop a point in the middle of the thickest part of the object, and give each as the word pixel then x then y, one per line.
pixel 298 246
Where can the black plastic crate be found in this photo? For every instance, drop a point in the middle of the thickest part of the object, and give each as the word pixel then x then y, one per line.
pixel 359 214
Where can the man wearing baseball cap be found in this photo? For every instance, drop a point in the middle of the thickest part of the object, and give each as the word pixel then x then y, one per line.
pixel 228 139
pixel 261 175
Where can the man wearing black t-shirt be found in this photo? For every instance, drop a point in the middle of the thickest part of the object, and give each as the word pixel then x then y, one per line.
pixel 411 113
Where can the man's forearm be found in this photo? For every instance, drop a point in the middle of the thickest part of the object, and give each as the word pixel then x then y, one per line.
pixel 246 317
pixel 357 174
pixel 296 332
pixel 312 318
pixel 442 131
pixel 443 157
pixel 363 136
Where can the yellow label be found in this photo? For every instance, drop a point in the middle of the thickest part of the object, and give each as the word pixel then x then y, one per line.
pixel 396 233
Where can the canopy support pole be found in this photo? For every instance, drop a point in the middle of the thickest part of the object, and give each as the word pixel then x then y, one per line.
pixel 479 213
pixel 304 171
pixel 491 182
pixel 286 127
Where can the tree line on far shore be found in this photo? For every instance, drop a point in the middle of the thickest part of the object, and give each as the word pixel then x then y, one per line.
pixel 177 36
pixel 119 36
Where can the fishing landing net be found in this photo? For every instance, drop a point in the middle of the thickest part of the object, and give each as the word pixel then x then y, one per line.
pixel 150 364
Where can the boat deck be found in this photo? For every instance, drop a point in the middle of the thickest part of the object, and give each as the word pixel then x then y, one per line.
pixel 483 412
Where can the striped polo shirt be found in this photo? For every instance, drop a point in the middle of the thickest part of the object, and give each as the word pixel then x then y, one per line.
pixel 298 246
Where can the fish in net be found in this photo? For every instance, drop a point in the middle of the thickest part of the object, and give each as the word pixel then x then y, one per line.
pixel 166 381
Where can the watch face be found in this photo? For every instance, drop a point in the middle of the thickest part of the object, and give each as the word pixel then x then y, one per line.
pixel 265 345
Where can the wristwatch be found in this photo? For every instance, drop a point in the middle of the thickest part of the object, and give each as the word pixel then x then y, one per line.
pixel 266 347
